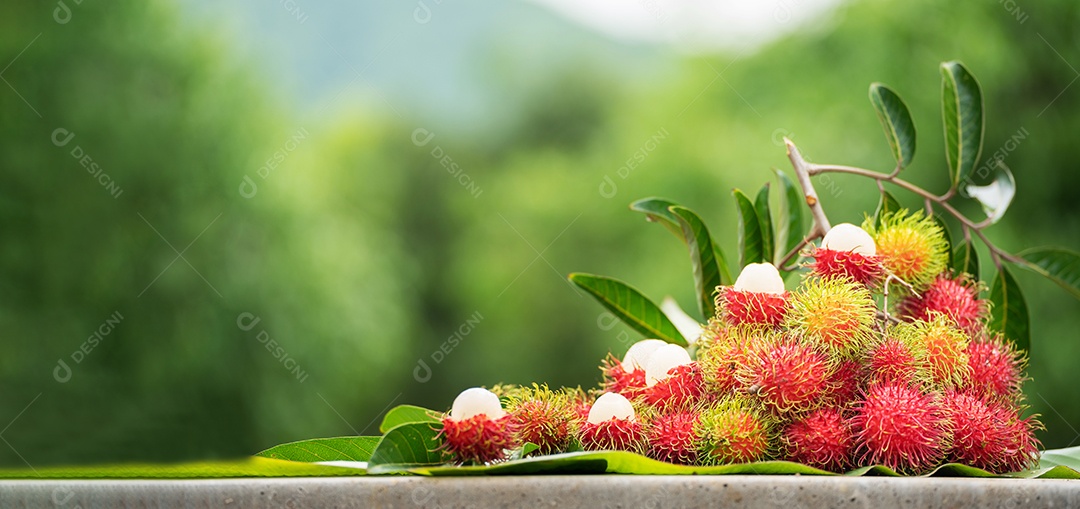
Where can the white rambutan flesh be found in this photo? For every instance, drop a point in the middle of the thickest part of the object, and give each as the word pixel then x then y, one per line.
pixel 475 401
pixel 610 405
pixel 760 278
pixel 663 360
pixel 637 357
pixel 848 237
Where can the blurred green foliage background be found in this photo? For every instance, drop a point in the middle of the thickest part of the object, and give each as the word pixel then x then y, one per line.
pixel 351 240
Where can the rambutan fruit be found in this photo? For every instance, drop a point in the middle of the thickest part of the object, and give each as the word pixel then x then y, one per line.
pixel 956 298
pixel 837 314
pixel 672 438
pixel 721 354
pixel 911 246
pixel 900 427
pixel 733 431
pixel 785 375
pixel 996 368
pixel 627 377
pixel 612 425
pixel 848 251
pixel 989 434
pixel 757 297
pixel 663 360
pixel 845 383
pixel 823 439
pixel 682 388
pixel 898 361
pixel 943 348
pixel 477 430
pixel 543 417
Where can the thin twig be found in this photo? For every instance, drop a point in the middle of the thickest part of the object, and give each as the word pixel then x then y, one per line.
pixel 802 172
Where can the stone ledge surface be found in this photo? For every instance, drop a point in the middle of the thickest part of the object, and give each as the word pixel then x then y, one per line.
pixel 595 492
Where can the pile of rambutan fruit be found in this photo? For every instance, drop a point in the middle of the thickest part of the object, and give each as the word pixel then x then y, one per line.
pixel 883 354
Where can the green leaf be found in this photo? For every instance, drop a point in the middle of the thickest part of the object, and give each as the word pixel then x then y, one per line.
pixel 702 258
pixel 633 308
pixel 721 263
pixel 658 210
pixel 948 237
pixel 896 119
pixel 1069 457
pixel 751 245
pixel 761 206
pixel 407 446
pixel 1009 314
pixel 223 469
pixel 965 258
pixel 886 205
pixel 324 449
pixel 405 414
pixel 1059 265
pixel 790 221
pixel 962 111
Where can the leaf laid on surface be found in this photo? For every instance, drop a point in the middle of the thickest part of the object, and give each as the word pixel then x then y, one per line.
pixel 1059 265
pixel 324 449
pixel 702 258
pixel 896 120
pixel 751 245
pixel 1009 314
pixel 405 414
pixel 962 112
pixel 633 308
pixel 227 469
pixel 407 446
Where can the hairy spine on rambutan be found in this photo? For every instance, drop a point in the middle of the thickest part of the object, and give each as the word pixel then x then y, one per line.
pixel 847 380
pixel 722 350
pixel 911 246
pixel 757 297
pixel 822 439
pixel 898 361
pixel 990 434
pixel 543 417
pixel 785 375
pixel 942 347
pixel 612 425
pixel 733 431
pixel 682 388
pixel 477 430
pixel 956 298
pixel 900 427
pixel 996 368
pixel 616 378
pixel 836 313
pixel 672 437
pixel 848 251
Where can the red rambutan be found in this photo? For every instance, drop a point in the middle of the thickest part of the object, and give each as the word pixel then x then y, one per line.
pixel 785 375
pixel 719 357
pixel 477 430
pixel 612 425
pixel 823 439
pixel 757 297
pixel 848 251
pixel 895 361
pixel 616 378
pixel 845 383
pixel 672 438
pixel 996 368
pixel 956 298
pixel 900 427
pixel 542 417
pixel 682 388
pixel 989 434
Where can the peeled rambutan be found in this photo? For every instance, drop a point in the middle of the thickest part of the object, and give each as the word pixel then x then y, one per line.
pixel 900 427
pixel 733 431
pixel 989 434
pixel 911 246
pixel 785 375
pixel 682 388
pixel 943 348
pixel 837 314
pixel 477 430
pixel 823 439
pixel 956 298
pixel 996 368
pixel 672 438
pixel 543 417
pixel 848 251
pixel 898 362
pixel 757 297
pixel 612 425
